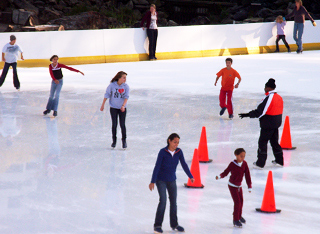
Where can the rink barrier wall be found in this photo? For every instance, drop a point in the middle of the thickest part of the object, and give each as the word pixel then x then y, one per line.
pixel 129 45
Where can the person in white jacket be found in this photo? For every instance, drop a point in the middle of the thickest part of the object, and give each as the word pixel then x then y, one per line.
pixel 10 54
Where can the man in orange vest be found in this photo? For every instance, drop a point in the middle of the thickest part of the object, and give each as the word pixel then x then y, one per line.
pixel 269 112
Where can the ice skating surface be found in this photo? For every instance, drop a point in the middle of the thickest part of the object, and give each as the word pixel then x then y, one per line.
pixel 59 175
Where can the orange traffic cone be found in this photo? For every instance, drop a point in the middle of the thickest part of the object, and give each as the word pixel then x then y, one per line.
pixel 285 142
pixel 195 171
pixel 268 202
pixel 203 147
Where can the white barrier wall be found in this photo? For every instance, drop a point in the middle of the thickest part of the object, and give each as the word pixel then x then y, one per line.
pixel 123 44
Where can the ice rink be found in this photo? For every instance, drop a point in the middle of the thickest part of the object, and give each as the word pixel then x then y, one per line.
pixel 60 176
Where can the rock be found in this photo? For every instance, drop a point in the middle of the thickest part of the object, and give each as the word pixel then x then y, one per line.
pixel 136 14
pixel 240 15
pixel 141 2
pixel 49 14
pixel 3 4
pixel 253 20
pixel 6 17
pixel 227 20
pixel 52 2
pixel 162 15
pixel 33 20
pixel 62 3
pixel 200 20
pixel 172 23
pixel 23 4
pixel 162 22
pixel 281 2
pixel 264 13
pixel 86 20
pixel 130 5
pixel 39 3
pixel 20 16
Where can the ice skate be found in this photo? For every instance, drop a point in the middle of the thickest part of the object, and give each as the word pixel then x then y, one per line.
pixel 231 116
pixel 114 143
pixel 223 109
pixel 178 228
pixel 55 113
pixel 242 220
pixel 158 230
pixel 255 166
pixel 237 224
pixel 46 112
pixel 276 164
pixel 124 144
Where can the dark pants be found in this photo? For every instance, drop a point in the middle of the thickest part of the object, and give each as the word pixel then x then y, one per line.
pixel 122 117
pixel 152 35
pixel 283 38
pixel 162 186
pixel 237 196
pixel 271 135
pixel 16 82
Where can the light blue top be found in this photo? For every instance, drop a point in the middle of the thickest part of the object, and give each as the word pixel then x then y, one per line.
pixel 116 94
pixel 280 28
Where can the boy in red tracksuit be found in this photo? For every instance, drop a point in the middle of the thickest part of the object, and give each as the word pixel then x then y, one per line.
pixel 238 168
pixel 227 84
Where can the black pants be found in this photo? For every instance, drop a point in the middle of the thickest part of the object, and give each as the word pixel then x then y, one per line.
pixel 16 82
pixel 152 35
pixel 122 117
pixel 271 135
pixel 283 38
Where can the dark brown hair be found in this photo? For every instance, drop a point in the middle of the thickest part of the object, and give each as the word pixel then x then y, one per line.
pixel 118 76
pixel 172 136
pixel 239 151
pixel 53 56
pixel 229 59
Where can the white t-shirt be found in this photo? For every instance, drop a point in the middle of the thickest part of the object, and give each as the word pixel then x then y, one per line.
pixel 11 52
pixel 153 23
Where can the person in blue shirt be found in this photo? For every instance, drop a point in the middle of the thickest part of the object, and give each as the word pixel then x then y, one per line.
pixel 164 176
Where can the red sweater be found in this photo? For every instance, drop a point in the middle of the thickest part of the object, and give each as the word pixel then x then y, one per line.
pixel 237 173
pixel 56 73
pixel 147 18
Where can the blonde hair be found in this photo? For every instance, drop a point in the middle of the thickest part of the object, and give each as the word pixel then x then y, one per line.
pixel 153 5
pixel 280 18
pixel 299 1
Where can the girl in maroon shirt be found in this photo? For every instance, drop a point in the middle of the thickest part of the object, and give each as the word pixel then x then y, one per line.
pixel 238 168
pixel 56 84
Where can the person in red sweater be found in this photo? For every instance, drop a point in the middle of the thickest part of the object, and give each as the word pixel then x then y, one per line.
pixel 238 168
pixel 151 19
pixel 227 84
pixel 56 84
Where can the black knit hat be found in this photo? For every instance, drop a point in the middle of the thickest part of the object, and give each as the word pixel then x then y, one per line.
pixel 271 83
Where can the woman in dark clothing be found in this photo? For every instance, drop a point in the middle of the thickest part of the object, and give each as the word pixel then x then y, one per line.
pixel 299 13
pixel 164 176
pixel 151 17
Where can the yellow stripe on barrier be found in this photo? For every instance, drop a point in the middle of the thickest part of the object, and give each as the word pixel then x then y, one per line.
pixel 162 55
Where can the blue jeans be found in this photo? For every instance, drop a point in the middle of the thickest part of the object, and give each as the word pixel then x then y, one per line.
pixel 297 34
pixel 162 186
pixel 53 101
pixel 4 73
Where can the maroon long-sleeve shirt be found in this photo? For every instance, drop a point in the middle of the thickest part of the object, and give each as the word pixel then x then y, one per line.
pixel 56 73
pixel 300 15
pixel 237 173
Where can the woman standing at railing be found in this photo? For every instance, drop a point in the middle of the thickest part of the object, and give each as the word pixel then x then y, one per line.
pixel 151 17
pixel 299 13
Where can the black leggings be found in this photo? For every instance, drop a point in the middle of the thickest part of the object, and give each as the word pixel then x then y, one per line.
pixel 283 38
pixel 122 117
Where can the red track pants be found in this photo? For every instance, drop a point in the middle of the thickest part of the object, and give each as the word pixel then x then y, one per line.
pixel 237 196
pixel 226 95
